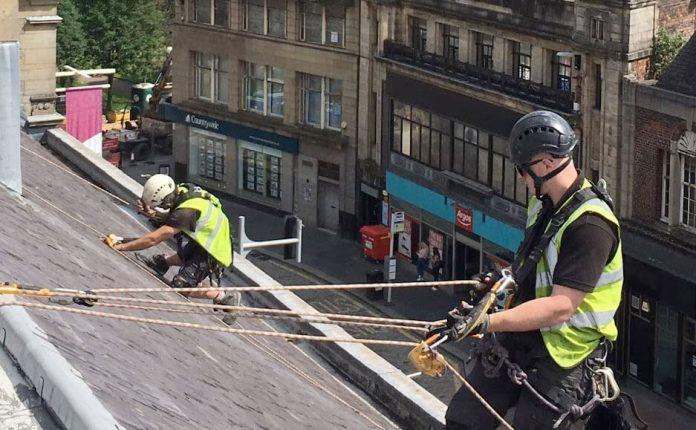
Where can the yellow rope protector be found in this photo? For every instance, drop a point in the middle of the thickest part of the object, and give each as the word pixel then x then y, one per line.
pixel 7 288
pixel 426 360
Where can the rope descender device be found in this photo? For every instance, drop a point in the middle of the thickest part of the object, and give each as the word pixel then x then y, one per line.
pixel 426 359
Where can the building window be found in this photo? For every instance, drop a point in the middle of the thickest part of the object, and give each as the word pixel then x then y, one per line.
pixel 562 67
pixel 208 153
pixel 421 135
pixel 211 74
pixel 264 17
pixel 484 51
pixel 450 42
pixel 215 12
pixel 263 89
pixel 419 34
pixel 598 87
pixel 443 144
pixel 325 24
pixel 522 60
pixel 664 213
pixel 688 209
pixel 597 25
pixel 261 171
pixel 321 101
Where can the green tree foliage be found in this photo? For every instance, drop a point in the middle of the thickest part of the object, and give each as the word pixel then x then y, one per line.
pixel 666 47
pixel 128 35
pixel 71 38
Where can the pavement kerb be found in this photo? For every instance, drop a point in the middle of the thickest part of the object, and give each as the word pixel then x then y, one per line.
pixel 402 396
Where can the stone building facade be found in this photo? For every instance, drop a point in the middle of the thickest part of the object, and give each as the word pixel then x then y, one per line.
pixel 33 24
pixel 461 73
pixel 266 94
pixel 658 347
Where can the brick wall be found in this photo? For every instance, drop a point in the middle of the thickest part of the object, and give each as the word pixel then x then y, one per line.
pixel 653 134
pixel 677 15
pixel 640 68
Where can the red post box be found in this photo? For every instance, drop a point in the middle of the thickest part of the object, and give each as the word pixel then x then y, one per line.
pixel 375 241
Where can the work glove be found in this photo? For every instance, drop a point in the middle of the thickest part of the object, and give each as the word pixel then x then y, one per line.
pixel 471 320
pixel 112 240
pixel 455 318
pixel 484 285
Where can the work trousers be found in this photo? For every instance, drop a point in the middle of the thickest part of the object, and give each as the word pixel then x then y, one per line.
pixel 563 387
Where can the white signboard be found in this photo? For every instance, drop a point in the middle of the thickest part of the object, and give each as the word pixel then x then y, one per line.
pixel 390 268
pixel 385 213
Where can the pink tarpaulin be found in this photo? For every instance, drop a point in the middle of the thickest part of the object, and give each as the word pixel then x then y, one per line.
pixel 83 109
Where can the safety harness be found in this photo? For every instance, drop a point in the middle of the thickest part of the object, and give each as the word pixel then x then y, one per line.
pixel 187 191
pixel 531 251
pixel 494 356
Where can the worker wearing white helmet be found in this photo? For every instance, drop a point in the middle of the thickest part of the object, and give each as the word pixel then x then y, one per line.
pixel 187 210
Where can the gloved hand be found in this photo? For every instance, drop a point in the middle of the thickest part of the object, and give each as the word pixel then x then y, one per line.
pixel 454 317
pixel 111 240
pixel 144 209
pixel 485 283
pixel 472 320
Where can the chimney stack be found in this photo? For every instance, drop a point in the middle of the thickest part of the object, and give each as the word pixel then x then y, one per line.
pixel 10 161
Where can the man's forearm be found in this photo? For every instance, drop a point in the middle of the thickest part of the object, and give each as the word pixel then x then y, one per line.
pixel 138 244
pixel 532 315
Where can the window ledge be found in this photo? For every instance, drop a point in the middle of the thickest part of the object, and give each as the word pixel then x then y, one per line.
pixel 44 19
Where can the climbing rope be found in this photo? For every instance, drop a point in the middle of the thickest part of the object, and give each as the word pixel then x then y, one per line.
pixel 38 292
pixel 286 288
pixel 264 316
pixel 289 336
pixel 475 393
pixel 71 173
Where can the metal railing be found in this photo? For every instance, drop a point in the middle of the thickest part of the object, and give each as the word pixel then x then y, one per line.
pixel 490 79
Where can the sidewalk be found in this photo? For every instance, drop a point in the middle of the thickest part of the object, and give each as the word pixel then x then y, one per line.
pixel 337 260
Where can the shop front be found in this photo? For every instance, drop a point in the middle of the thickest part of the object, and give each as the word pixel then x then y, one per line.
pixel 469 240
pixel 238 160
pixel 657 320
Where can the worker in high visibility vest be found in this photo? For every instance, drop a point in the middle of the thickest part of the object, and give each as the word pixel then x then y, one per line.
pixel 569 275
pixel 187 210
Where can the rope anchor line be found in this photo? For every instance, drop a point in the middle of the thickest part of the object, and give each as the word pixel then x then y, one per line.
pixel 47 293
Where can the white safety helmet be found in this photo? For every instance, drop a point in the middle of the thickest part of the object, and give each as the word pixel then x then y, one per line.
pixel 156 189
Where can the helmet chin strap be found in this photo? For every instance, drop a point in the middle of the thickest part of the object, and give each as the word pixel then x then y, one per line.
pixel 540 180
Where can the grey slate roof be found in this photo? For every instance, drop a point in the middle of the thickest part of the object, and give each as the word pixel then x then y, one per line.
pixel 680 76
pixel 152 377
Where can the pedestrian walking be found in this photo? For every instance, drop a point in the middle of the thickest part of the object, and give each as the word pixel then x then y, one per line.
pixel 436 265
pixel 422 261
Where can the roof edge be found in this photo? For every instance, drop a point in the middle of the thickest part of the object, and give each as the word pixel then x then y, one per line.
pixel 406 398
pixel 69 399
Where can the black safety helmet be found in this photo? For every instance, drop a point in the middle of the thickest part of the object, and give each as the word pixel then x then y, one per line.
pixel 541 131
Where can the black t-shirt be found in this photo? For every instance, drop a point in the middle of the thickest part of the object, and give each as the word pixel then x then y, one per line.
pixel 183 219
pixel 589 243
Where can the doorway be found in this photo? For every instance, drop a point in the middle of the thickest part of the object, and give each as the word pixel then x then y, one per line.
pixel 642 338
pixel 327 205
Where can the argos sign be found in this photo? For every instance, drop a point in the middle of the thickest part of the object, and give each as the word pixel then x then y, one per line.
pixel 464 218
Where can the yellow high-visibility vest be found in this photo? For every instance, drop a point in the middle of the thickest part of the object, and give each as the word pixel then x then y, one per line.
pixel 212 229
pixel 571 342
